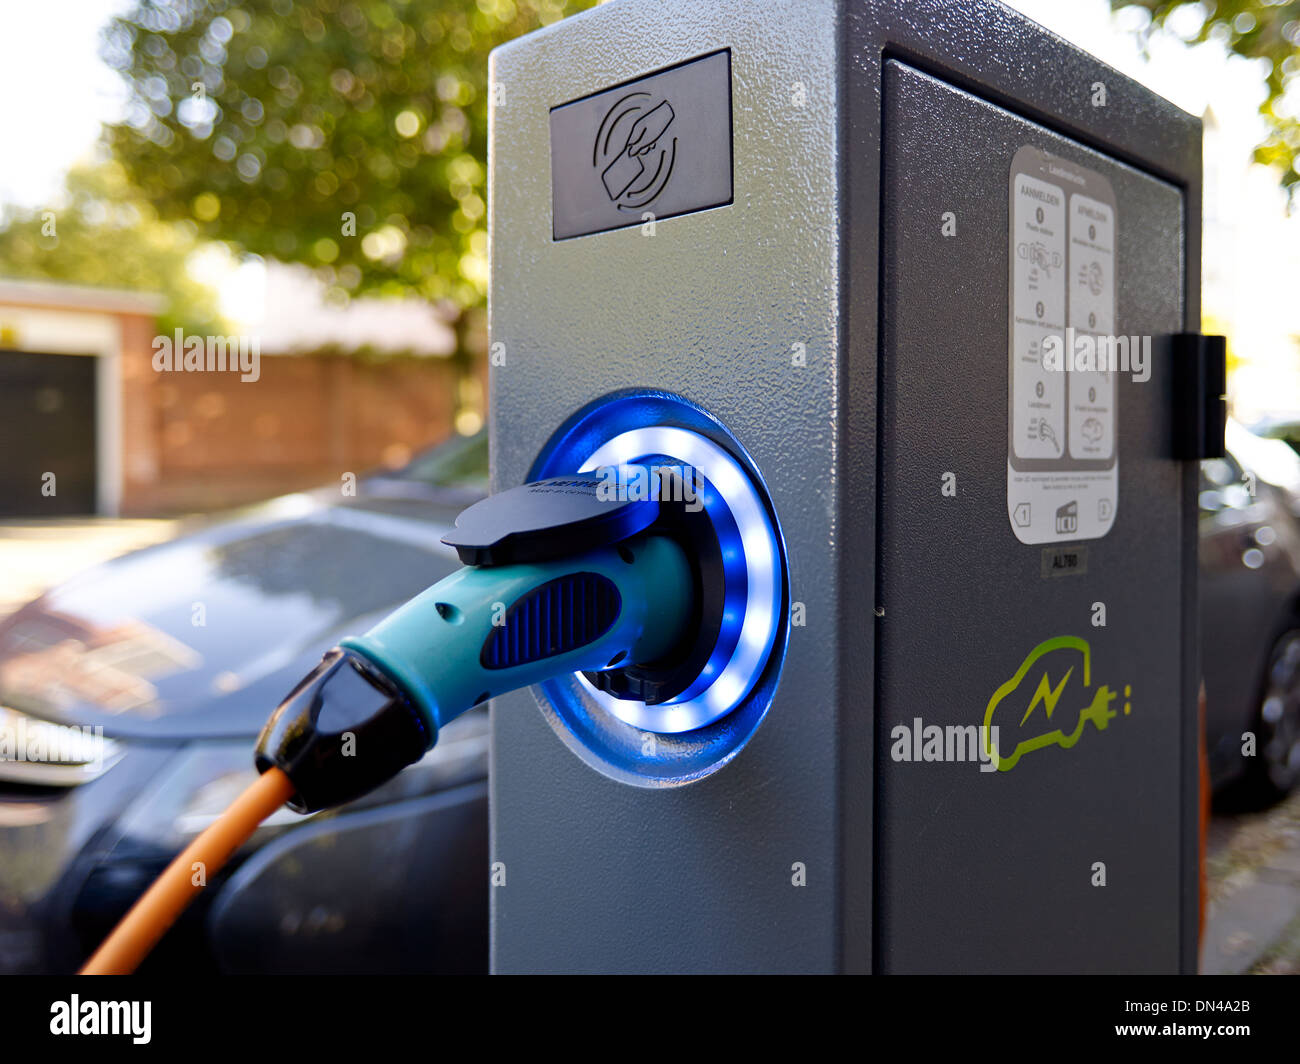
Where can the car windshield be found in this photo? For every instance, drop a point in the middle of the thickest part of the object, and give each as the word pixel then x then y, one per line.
pixel 461 462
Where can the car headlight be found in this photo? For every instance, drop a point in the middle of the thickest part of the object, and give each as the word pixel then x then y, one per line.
pixel 203 779
pixel 40 753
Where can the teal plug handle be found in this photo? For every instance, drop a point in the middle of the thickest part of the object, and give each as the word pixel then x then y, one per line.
pixel 559 579
pixel 434 645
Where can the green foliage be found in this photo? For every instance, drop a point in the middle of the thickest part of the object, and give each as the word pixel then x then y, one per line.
pixel 104 233
pixel 1267 30
pixel 347 135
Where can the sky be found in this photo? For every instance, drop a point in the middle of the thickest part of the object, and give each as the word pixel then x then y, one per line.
pixel 49 64
pixel 56 90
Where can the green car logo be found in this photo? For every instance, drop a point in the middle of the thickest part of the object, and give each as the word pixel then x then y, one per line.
pixel 1028 707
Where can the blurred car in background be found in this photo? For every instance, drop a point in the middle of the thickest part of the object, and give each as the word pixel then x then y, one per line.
pixel 179 653
pixel 1250 616
pixel 1284 427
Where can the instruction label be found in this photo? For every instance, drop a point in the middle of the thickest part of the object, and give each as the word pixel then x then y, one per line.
pixel 1062 464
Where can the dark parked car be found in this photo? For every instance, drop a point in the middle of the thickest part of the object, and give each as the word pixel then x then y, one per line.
pixel 1250 616
pixel 179 652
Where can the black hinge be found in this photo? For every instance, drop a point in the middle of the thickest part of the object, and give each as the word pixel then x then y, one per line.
pixel 1200 372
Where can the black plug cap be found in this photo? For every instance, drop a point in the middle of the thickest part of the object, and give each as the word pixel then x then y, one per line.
pixel 549 519
pixel 344 730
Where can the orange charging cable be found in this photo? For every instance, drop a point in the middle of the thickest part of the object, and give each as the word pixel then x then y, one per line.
pixel 162 904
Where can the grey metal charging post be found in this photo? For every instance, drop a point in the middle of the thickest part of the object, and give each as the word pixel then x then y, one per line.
pixel 833 240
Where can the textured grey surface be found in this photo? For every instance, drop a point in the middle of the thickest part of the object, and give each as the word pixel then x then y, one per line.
pixel 602 876
pixel 983 872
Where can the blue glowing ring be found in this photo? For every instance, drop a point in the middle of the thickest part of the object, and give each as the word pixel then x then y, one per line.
pixel 591 723
pixel 749 635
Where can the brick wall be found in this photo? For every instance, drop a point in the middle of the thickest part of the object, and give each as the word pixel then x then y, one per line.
pixel 217 441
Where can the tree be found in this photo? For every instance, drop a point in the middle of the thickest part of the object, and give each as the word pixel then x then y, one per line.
pixel 347 135
pixel 103 233
pixel 1268 30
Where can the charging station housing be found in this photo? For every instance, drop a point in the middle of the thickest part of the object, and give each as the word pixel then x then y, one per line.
pixel 843 233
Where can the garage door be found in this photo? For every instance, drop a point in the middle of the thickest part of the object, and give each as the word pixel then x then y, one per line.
pixel 47 434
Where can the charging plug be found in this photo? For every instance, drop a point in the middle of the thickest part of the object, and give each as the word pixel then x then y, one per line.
pixel 560 580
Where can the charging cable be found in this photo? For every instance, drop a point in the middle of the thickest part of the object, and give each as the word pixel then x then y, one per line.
pixel 162 904
pixel 559 578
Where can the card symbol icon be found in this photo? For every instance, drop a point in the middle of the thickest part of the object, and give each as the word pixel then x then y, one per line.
pixel 635 150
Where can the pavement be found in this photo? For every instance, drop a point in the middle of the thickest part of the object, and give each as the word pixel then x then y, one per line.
pixel 36 554
pixel 1253 885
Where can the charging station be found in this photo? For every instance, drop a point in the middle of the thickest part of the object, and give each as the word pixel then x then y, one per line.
pixel 823 253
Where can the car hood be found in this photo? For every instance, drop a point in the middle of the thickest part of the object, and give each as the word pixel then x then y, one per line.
pixel 202 636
